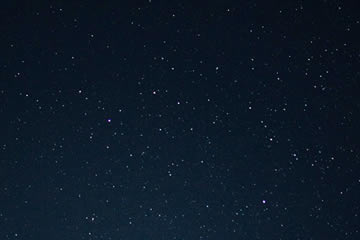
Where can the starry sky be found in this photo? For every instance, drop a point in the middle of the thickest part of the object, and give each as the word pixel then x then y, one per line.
pixel 179 120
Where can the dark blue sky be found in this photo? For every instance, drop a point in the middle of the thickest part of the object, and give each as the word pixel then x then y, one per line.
pixel 182 120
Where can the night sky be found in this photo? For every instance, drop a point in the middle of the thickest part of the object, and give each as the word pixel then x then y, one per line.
pixel 179 120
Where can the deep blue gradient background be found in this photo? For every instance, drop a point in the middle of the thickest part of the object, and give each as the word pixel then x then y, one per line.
pixel 181 120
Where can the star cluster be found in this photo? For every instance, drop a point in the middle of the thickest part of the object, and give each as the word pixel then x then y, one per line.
pixel 159 120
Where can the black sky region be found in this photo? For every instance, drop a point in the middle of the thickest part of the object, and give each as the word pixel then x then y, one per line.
pixel 179 120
